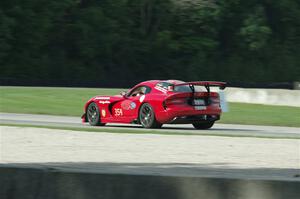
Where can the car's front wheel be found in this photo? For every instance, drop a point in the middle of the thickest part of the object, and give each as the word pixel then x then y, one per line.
pixel 203 125
pixel 147 117
pixel 93 115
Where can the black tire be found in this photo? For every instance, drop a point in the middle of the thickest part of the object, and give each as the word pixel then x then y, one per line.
pixel 147 117
pixel 93 115
pixel 203 125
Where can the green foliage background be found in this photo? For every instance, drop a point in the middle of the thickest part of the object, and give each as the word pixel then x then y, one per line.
pixel 101 40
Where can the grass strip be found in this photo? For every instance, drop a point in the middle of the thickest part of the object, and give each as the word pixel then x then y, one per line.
pixel 70 102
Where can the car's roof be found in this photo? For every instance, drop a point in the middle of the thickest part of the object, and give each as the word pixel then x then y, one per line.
pixel 173 81
pixel 150 82
pixel 154 82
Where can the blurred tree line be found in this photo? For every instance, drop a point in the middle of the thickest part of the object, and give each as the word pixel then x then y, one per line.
pixel 131 40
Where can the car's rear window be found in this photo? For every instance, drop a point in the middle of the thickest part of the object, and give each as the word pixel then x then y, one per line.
pixel 180 89
pixel 187 89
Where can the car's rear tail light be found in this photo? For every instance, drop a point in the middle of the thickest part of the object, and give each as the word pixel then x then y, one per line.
pixel 215 100
pixel 175 101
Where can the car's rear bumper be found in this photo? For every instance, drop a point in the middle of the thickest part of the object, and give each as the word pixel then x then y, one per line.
pixel 188 115
pixel 193 119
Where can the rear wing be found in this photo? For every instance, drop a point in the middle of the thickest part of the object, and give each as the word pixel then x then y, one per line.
pixel 207 84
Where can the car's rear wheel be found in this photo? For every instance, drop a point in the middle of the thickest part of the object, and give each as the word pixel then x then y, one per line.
pixel 147 117
pixel 93 115
pixel 203 125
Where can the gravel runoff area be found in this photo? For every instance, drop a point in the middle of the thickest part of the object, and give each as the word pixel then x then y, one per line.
pixel 174 155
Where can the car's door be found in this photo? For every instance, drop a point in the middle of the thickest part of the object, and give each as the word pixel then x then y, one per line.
pixel 127 109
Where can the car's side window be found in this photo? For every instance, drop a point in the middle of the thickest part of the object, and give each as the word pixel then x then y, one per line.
pixel 141 90
pixel 147 89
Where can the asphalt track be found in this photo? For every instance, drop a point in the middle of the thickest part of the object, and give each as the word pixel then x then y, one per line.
pixel 217 129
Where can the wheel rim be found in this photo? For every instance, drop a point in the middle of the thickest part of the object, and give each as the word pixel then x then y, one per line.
pixel 146 116
pixel 92 113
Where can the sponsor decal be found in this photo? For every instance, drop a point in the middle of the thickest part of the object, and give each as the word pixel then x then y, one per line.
pixel 142 98
pixel 161 89
pixel 102 98
pixel 125 105
pixel 128 105
pixel 118 112
pixel 103 113
pixel 132 105
pixel 104 102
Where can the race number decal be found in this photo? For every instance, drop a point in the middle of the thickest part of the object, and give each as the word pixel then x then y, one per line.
pixel 118 112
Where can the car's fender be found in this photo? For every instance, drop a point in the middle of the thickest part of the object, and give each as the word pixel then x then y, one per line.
pixel 156 101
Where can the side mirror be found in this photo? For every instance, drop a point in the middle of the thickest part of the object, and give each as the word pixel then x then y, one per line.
pixel 123 93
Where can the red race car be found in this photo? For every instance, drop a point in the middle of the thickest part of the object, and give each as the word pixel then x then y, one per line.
pixel 157 102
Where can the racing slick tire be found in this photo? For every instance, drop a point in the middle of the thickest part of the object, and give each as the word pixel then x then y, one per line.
pixel 93 115
pixel 147 117
pixel 203 125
